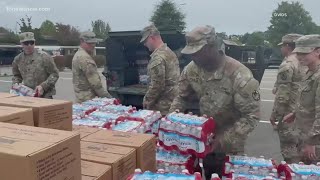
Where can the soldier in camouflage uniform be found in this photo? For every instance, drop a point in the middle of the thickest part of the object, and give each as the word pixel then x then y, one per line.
pixel 86 79
pixel 163 70
pixel 286 90
pixel 306 117
pixel 35 68
pixel 226 89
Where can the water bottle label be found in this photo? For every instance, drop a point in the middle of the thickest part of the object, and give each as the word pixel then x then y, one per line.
pixel 251 161
pixel 302 169
pixel 104 116
pixel 88 122
pixel 116 108
pixel 184 143
pixel 168 176
pixel 252 177
pixel 171 157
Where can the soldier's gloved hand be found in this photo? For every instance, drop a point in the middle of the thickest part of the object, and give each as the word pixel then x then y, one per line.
pixel 273 122
pixel 216 143
pixel 39 90
pixel 289 118
pixel 274 90
pixel 309 151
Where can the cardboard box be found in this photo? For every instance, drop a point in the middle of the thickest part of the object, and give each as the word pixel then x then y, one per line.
pixel 47 113
pixel 6 95
pixel 121 159
pixel 84 130
pixel 37 153
pixel 22 116
pixel 145 145
pixel 90 170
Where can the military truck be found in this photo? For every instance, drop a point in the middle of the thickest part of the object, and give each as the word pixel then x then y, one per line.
pixel 127 61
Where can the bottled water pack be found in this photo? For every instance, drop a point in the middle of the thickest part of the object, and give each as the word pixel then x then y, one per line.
pixel 188 125
pixel 299 171
pixel 250 165
pixel 99 102
pixel 173 161
pixel 131 126
pixel 184 144
pixel 160 175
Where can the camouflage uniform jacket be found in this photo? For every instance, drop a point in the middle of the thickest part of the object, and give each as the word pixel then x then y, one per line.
pixel 86 80
pixel 164 72
pixel 288 82
pixel 307 113
pixel 34 70
pixel 230 95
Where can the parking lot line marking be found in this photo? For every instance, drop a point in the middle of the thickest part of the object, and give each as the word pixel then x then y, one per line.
pixel 267 100
pixel 5 81
pixel 268 122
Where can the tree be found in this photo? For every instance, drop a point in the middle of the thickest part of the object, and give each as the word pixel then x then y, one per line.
pixel 290 18
pixel 8 36
pixel 67 35
pixel 222 35
pixel 47 28
pixel 25 25
pixel 100 28
pixel 167 16
pixel 236 39
pixel 256 38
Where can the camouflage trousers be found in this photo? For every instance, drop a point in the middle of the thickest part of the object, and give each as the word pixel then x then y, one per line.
pixel 291 144
pixel 162 105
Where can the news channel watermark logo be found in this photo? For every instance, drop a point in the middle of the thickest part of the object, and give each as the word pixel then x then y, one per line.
pixel 27 9
pixel 280 14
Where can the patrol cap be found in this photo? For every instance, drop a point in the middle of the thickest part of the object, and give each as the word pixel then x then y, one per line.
pixel 199 37
pixel 89 37
pixel 26 36
pixel 307 43
pixel 289 38
pixel 149 30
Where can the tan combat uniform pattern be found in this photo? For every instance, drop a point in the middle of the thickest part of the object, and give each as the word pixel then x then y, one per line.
pixel 307 122
pixel 288 83
pixel 34 70
pixel 164 72
pixel 230 95
pixel 86 80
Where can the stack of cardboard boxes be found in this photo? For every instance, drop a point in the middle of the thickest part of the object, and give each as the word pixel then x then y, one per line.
pixel 38 153
pixel 54 150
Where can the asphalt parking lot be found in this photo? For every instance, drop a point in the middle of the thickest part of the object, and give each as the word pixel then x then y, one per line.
pixel 262 141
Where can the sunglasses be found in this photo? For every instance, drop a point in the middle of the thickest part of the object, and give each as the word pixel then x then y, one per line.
pixel 26 43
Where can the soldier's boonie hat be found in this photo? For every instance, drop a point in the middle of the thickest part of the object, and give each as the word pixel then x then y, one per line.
pixel 199 37
pixel 26 36
pixel 147 31
pixel 289 38
pixel 307 44
pixel 89 37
